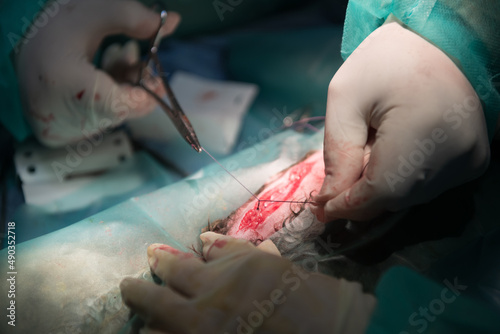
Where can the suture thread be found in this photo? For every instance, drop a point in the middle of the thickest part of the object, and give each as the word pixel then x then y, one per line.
pixel 248 190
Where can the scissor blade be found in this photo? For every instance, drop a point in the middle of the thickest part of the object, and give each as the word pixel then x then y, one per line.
pixel 180 120
pixel 174 111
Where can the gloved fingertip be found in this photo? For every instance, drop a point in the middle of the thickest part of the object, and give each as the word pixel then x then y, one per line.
pixel 164 248
pixel 110 56
pixel 355 197
pixel 153 262
pixel 320 199
pixel 173 20
pixel 152 248
pixel 327 190
pixel 318 212
pixel 269 247
pixel 127 282
pixel 130 53
pixel 209 237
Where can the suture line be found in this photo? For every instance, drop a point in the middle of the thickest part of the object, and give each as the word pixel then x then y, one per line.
pixel 234 177
pixel 251 193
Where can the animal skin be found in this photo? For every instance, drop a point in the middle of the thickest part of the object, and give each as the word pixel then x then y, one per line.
pixel 291 226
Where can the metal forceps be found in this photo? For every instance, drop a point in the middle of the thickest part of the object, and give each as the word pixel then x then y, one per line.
pixel 174 110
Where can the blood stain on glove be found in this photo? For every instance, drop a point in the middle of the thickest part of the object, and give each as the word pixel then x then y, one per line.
pixel 172 250
pixel 42 118
pixel 47 135
pixel 168 249
pixel 79 95
pixel 219 243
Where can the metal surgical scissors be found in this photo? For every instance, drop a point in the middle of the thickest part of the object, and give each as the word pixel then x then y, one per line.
pixel 174 110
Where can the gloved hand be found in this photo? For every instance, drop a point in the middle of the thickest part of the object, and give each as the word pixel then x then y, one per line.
pixel 64 95
pixel 241 289
pixel 403 124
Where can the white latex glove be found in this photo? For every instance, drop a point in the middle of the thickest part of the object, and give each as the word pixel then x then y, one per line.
pixel 241 289
pixel 65 96
pixel 403 124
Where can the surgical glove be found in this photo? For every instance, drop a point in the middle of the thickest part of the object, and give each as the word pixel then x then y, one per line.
pixel 65 97
pixel 403 124
pixel 241 289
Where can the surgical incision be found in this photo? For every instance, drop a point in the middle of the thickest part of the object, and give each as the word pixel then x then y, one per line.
pixel 280 204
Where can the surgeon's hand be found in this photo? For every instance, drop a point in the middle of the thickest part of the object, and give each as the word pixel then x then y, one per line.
pixel 65 96
pixel 242 289
pixel 403 124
